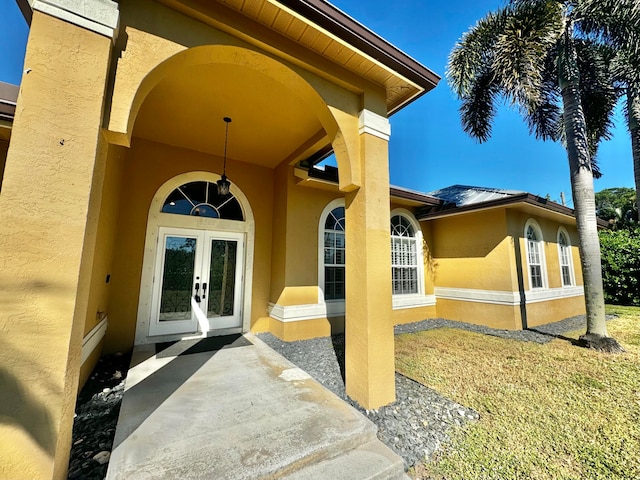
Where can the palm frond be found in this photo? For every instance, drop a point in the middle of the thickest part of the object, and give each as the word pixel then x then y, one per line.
pixel 473 52
pixel 532 29
pixel 597 91
pixel 479 106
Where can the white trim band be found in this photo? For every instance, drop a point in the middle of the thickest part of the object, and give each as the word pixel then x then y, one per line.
pixel 401 302
pixel 91 341
pixel 497 297
pixel 374 124
pixel 545 294
pixel 336 308
pixel 100 16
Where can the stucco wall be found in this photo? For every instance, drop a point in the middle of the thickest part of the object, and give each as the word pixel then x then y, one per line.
pixel 105 243
pixel 473 251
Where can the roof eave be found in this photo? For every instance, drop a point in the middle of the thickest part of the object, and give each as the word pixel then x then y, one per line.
pixel 524 198
pixel 348 29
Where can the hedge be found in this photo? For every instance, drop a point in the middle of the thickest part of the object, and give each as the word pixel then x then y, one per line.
pixel 621 266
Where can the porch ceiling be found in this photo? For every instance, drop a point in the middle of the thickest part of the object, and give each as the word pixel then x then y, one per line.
pixel 186 109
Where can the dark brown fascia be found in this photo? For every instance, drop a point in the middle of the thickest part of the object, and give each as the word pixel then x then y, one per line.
pixel 330 174
pixel 8 99
pixel 428 200
pixel 451 209
pixel 354 33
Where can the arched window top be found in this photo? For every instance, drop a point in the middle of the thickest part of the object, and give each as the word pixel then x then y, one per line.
pixel 335 220
pixel 201 199
pixel 562 239
pixel 531 233
pixel 401 227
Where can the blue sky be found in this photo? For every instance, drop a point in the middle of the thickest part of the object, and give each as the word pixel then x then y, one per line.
pixel 428 149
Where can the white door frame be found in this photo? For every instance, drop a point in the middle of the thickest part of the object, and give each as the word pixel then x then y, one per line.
pixel 157 219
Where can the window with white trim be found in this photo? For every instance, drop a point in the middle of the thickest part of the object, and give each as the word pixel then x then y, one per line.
pixel 404 257
pixel 564 250
pixel 334 255
pixel 535 257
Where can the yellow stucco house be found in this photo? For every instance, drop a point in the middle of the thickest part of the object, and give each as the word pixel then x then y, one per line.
pixel 158 178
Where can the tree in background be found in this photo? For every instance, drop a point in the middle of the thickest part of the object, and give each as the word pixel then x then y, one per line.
pixel 551 59
pixel 617 206
pixel 615 22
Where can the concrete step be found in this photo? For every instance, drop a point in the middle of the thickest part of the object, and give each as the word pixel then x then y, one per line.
pixel 371 461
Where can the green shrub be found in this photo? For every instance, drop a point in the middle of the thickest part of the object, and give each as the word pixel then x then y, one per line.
pixel 621 266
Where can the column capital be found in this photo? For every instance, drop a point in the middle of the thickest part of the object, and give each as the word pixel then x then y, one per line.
pixel 100 16
pixel 374 124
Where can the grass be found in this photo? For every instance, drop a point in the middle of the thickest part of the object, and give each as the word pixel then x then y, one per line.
pixel 552 411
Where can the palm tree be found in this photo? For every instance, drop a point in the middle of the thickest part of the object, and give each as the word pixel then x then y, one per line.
pixel 617 22
pixel 550 59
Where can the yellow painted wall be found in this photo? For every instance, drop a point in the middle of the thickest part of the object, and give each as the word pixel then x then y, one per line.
pixel 554 310
pixel 297 212
pixel 48 212
pixel 505 317
pixel 473 251
pixel 103 259
pixel 413 314
pixel 146 167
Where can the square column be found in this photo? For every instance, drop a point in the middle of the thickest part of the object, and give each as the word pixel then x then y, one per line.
pixel 370 365
pixel 51 195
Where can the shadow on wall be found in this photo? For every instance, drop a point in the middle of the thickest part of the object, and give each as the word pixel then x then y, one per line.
pixel 17 407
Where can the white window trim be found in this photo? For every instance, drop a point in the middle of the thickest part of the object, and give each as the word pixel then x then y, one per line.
pixel 572 276
pixel 543 259
pixel 333 204
pixel 419 257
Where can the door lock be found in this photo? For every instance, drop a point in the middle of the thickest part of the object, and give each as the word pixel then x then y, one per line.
pixel 196 296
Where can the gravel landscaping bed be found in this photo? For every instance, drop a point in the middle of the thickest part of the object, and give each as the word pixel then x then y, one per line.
pixel 414 426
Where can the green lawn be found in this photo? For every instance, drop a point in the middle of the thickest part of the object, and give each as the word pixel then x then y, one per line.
pixel 551 411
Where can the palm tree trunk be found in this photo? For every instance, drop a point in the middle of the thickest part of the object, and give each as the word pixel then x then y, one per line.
pixel 585 208
pixel 583 200
pixel 634 130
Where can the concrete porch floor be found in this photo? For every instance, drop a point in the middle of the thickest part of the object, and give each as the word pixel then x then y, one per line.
pixel 238 412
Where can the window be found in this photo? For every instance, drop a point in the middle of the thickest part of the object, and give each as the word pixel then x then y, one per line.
pixel 404 256
pixel 564 250
pixel 535 256
pixel 201 199
pixel 334 255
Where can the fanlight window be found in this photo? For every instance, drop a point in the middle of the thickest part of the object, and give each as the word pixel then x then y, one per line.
pixel 404 256
pixel 334 255
pixel 201 199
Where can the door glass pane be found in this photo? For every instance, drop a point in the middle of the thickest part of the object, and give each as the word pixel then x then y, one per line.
pixel 222 278
pixel 177 279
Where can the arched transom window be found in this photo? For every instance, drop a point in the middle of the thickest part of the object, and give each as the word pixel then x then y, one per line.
pixel 534 257
pixel 334 255
pixel 404 256
pixel 564 249
pixel 201 199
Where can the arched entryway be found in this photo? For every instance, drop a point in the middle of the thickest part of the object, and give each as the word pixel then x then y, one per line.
pixel 198 261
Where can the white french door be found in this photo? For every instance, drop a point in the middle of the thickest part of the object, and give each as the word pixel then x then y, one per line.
pixel 197 284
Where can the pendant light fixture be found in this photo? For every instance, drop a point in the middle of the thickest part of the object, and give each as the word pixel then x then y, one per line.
pixel 223 183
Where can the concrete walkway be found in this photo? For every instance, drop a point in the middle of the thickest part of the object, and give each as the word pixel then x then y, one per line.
pixel 238 411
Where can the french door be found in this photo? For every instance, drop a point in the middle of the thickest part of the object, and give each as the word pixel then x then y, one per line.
pixel 197 284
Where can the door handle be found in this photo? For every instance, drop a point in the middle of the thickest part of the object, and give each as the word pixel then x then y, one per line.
pixel 204 290
pixel 196 295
